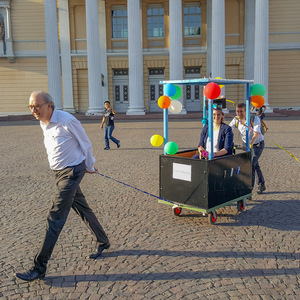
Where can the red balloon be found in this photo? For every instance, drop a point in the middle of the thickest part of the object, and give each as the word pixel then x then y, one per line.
pixel 212 91
pixel 257 101
pixel 164 101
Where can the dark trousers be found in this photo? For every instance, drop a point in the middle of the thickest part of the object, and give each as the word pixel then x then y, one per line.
pixel 68 195
pixel 257 151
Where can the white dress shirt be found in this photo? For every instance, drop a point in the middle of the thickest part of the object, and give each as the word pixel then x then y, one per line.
pixel 66 142
pixel 242 129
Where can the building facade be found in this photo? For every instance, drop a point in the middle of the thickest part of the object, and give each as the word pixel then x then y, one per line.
pixel 87 51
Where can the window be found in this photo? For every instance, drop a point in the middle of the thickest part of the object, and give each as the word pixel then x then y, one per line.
pixel 119 23
pixel 155 75
pixel 155 21
pixel 192 19
pixel 156 71
pixel 192 92
pixel 121 72
pixel 6 43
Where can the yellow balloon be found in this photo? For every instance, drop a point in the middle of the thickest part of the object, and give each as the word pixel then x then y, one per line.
pixel 220 78
pixel 156 140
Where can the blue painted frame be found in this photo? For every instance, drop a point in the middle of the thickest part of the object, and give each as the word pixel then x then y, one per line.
pixel 204 82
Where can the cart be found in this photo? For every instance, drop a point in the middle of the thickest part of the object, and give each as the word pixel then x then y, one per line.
pixel 206 185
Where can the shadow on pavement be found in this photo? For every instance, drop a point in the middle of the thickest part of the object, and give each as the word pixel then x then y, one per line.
pixel 279 214
pixel 72 280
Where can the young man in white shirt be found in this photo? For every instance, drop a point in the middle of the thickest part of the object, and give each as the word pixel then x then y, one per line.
pixel 70 156
pixel 256 141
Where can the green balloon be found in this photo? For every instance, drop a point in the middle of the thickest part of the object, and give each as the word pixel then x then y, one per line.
pixel 171 148
pixel 177 94
pixel 258 89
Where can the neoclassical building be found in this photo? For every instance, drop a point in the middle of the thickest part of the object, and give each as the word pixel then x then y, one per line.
pixel 87 51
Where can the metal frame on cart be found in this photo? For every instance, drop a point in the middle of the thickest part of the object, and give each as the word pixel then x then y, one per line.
pixel 241 201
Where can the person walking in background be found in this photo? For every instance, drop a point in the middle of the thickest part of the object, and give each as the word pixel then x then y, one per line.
pixel 108 121
pixel 70 156
pixel 256 142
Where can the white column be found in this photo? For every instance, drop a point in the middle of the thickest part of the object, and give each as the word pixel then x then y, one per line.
pixel 103 50
pixel 261 45
pixel 135 58
pixel 208 39
pixel 93 53
pixel 175 25
pixel 66 65
pixel 218 39
pixel 249 41
pixel 218 42
pixel 52 47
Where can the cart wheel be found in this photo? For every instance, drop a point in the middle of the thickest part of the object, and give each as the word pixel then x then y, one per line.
pixel 212 217
pixel 177 210
pixel 241 205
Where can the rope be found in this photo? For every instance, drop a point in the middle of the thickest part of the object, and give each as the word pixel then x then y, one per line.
pixel 128 185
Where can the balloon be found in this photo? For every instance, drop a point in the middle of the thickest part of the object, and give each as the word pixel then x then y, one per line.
pixel 258 89
pixel 177 94
pixel 212 90
pixel 257 101
pixel 175 107
pixel 171 148
pixel 220 85
pixel 169 89
pixel 164 101
pixel 156 140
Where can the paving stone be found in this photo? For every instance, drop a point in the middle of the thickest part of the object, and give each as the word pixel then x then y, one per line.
pixel 154 255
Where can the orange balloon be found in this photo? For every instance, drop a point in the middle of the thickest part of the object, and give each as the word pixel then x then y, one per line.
pixel 164 101
pixel 257 101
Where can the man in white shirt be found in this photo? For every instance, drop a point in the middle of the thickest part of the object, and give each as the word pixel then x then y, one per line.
pixel 256 142
pixel 70 156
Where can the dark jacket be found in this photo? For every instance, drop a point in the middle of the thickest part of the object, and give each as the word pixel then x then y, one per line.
pixel 225 138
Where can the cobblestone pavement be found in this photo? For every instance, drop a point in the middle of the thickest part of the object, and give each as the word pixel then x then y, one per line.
pixel 154 255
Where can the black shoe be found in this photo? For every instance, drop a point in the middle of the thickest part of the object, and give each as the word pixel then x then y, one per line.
pixel 30 275
pixel 119 144
pixel 100 250
pixel 106 148
pixel 261 188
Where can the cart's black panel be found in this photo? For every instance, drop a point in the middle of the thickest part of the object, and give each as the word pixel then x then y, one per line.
pixel 192 192
pixel 205 183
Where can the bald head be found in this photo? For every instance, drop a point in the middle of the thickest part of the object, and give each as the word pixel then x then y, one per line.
pixel 41 105
pixel 43 96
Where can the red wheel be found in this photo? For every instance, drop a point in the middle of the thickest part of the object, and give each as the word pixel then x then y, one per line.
pixel 177 210
pixel 212 217
pixel 241 205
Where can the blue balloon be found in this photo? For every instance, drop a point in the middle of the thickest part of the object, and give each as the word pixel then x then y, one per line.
pixel 169 90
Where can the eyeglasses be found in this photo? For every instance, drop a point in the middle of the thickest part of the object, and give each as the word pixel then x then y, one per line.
pixel 36 107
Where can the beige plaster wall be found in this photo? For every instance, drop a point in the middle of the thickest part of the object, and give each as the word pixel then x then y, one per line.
pixel 18 80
